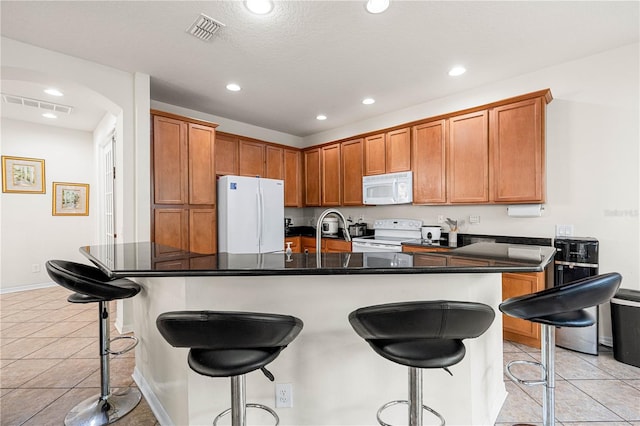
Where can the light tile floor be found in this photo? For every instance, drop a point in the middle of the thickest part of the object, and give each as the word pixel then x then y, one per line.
pixel 49 363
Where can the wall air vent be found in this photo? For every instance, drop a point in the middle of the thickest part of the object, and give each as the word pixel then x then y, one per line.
pixel 204 27
pixel 36 103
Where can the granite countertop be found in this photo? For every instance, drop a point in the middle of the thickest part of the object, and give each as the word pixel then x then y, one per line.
pixel 147 259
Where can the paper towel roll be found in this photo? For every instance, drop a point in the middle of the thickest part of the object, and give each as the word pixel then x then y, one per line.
pixel 525 210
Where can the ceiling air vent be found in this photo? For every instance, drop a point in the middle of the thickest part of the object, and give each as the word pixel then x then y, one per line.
pixel 204 27
pixel 35 103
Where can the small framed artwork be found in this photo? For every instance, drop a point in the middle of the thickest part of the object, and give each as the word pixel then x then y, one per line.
pixel 23 175
pixel 70 199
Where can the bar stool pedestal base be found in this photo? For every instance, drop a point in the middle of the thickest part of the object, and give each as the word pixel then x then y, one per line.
pixel 95 411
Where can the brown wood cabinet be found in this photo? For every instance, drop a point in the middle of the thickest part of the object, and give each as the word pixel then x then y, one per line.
pixel 351 171
pixel 330 186
pixel 312 177
pixel 517 284
pixel 332 245
pixel 292 178
pixel 516 148
pixel 375 155
pixel 387 152
pixel 398 150
pixel 226 154
pixel 428 159
pixel 468 165
pixel 274 162
pixel 296 246
pixel 170 161
pixel 327 245
pixel 251 157
pixel 183 183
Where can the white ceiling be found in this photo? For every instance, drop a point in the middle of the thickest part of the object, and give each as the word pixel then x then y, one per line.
pixel 311 57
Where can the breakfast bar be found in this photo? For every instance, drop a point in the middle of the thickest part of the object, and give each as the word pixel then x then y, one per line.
pixel 336 378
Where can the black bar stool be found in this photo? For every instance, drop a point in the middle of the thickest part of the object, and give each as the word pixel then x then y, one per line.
pixel 420 335
pixel 90 285
pixel 562 306
pixel 230 344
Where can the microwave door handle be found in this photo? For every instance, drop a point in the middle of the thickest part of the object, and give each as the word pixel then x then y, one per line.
pixel 395 190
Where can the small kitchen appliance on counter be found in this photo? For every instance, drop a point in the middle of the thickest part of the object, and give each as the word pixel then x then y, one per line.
pixel 330 226
pixel 431 234
pixel 358 229
pixel 577 258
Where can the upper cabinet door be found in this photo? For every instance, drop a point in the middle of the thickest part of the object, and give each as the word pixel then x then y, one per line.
pixel 226 155
pixel 251 158
pixel 352 172
pixel 398 151
pixel 202 176
pixel 331 179
pixel 516 144
pixel 169 161
pixel 374 155
pixel 274 168
pixel 429 162
pixel 292 178
pixel 469 158
pixel 312 177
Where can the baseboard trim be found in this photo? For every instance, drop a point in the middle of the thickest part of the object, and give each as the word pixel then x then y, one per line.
pixel 153 402
pixel 27 287
pixel 606 341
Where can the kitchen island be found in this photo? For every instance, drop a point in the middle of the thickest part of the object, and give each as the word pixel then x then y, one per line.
pixel 337 379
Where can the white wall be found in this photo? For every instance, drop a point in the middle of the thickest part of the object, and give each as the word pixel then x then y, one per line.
pixel 31 235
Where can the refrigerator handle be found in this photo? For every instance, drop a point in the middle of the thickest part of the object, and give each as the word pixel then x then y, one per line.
pixel 260 215
pixel 259 221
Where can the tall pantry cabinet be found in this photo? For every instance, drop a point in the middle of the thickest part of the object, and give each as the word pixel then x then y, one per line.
pixel 183 183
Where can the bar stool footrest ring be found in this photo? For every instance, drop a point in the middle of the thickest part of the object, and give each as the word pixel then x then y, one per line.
pixel 249 405
pixel 125 350
pixel 391 403
pixel 522 381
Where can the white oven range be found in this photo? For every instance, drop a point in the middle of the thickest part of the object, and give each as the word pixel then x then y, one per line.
pixel 389 234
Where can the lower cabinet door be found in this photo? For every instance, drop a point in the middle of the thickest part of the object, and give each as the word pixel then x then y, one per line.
pixel 202 231
pixel 518 284
pixel 171 229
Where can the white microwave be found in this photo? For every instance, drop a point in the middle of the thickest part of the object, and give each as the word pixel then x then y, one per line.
pixel 390 188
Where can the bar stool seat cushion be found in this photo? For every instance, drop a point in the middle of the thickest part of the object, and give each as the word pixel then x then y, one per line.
pixel 90 281
pixel 564 306
pixel 423 334
pixel 225 344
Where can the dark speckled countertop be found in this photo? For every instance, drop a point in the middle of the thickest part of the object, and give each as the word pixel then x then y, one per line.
pixel 147 259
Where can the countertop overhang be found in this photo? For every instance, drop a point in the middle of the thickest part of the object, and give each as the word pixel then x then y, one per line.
pixel 146 259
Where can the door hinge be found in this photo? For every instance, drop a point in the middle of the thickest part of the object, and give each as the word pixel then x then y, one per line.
pixel 114 173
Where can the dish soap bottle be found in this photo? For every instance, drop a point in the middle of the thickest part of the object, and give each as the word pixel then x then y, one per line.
pixel 288 250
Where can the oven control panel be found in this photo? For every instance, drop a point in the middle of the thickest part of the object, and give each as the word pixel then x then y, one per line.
pixel 398 224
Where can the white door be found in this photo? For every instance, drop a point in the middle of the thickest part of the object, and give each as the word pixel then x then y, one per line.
pixel 108 176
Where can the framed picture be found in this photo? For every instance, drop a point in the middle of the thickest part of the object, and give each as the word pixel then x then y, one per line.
pixel 23 175
pixel 70 199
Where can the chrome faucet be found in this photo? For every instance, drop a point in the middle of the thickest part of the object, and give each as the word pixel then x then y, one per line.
pixel 324 214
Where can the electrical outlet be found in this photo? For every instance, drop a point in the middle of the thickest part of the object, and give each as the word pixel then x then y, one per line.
pixel 440 218
pixel 564 230
pixel 284 395
pixel 474 219
pixel 35 268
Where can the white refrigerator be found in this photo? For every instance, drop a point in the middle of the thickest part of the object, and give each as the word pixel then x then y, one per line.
pixel 250 215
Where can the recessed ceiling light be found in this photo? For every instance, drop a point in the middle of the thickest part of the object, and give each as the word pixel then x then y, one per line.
pixel 259 7
pixel 368 101
pixel 53 92
pixel 377 6
pixel 49 115
pixel 457 70
pixel 321 117
pixel 233 87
